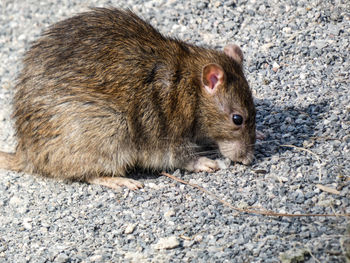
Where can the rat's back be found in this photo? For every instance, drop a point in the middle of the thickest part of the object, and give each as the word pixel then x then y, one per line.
pixel 88 102
pixel 74 90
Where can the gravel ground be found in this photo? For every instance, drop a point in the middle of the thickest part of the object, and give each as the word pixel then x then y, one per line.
pixel 297 63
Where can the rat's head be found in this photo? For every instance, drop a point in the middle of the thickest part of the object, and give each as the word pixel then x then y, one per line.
pixel 227 106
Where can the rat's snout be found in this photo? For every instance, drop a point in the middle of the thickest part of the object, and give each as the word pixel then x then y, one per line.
pixel 237 151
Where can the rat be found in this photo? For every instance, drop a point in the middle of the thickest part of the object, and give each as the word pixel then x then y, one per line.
pixel 104 91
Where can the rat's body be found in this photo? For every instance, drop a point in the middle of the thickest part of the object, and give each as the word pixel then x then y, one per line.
pixel 104 91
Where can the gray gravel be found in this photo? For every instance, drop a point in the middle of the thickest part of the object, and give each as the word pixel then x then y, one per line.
pixel 297 63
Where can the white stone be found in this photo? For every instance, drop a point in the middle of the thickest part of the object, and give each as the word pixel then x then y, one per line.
pixel 130 228
pixel 167 243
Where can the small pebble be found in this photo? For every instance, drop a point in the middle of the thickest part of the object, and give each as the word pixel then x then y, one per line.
pixel 167 243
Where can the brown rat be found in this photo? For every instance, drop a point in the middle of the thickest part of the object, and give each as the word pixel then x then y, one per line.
pixel 104 91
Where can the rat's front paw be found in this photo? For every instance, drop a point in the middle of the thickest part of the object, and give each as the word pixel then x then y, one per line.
pixel 202 164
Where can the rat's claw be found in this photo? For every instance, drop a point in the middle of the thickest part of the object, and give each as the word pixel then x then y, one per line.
pixel 202 164
pixel 116 182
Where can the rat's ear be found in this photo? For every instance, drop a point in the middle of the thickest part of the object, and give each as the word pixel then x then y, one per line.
pixel 212 77
pixel 235 52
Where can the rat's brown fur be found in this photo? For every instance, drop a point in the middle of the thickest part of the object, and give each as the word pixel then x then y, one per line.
pixel 104 91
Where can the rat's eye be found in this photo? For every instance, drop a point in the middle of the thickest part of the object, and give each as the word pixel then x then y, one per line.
pixel 237 119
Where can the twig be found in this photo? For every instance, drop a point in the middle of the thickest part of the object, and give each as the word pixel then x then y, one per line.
pixel 327 189
pixel 249 211
pixel 312 255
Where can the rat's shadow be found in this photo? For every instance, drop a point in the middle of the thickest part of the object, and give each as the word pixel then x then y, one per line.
pixel 285 126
